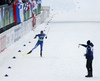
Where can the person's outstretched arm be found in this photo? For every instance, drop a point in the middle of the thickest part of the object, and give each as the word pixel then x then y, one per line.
pixel 83 45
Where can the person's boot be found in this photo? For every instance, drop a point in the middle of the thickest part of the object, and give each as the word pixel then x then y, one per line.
pixel 89 74
pixel 40 54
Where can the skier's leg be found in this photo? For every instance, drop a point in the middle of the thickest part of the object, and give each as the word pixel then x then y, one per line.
pixel 34 47
pixel 37 44
pixel 41 48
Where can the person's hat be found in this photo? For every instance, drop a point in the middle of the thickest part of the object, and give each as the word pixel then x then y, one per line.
pixel 88 42
pixel 41 31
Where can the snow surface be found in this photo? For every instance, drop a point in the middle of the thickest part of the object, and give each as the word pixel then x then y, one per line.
pixel 79 10
pixel 67 5
pixel 62 59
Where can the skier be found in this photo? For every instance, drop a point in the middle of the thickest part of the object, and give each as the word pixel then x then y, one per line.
pixel 39 42
pixel 89 57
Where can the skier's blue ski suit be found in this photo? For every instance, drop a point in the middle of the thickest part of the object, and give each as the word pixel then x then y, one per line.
pixel 39 42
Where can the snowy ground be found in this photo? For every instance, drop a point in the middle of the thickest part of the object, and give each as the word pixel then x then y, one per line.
pixel 62 59
pixel 86 6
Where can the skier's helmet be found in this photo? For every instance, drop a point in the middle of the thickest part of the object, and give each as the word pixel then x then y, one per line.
pixel 41 32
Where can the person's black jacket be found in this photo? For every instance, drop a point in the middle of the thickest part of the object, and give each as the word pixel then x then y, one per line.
pixel 89 52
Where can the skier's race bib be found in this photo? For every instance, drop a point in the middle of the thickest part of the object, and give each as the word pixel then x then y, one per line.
pixel 40 39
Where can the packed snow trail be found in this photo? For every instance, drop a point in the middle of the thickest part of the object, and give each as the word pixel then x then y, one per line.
pixel 62 59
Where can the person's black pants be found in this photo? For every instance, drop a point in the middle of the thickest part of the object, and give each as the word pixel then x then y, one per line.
pixel 89 67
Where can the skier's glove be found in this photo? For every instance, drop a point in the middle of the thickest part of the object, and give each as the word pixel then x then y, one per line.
pixel 45 37
pixel 34 37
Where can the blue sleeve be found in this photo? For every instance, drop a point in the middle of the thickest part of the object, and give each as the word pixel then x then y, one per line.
pixel 45 35
pixel 36 35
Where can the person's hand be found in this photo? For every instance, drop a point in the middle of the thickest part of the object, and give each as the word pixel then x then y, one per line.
pixel 84 54
pixel 79 45
pixel 34 37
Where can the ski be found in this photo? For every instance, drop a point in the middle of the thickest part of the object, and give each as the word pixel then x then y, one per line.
pixel 26 54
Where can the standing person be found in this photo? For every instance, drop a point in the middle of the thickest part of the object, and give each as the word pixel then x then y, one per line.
pixel 39 42
pixel 89 57
pixel 33 5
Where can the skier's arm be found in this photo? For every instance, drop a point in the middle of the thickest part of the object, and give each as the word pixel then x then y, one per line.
pixel 35 36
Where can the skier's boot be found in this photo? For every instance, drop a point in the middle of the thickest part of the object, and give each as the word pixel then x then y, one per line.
pixel 29 52
pixel 40 54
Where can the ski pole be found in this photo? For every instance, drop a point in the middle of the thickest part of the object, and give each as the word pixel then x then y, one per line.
pixel 34 32
pixel 48 30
